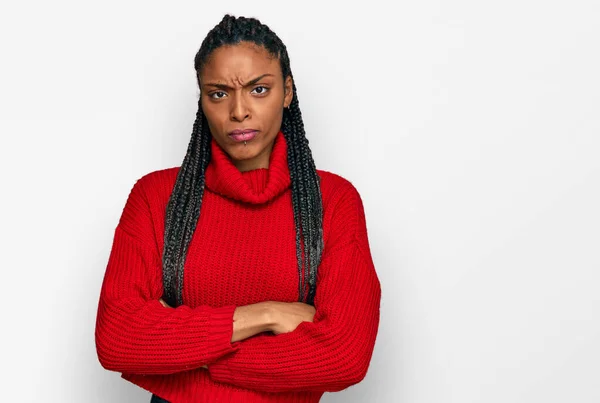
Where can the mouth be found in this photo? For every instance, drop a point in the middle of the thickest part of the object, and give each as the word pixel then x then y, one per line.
pixel 243 135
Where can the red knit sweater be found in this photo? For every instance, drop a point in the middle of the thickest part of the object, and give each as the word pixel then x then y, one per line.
pixel 242 252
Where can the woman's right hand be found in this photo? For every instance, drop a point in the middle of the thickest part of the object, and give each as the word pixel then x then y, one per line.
pixel 286 316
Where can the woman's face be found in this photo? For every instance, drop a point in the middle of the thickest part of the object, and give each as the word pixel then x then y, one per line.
pixel 242 88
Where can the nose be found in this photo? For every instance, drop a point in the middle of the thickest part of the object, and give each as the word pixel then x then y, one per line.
pixel 239 108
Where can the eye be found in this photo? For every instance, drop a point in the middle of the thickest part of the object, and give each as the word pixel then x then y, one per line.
pixel 264 90
pixel 215 93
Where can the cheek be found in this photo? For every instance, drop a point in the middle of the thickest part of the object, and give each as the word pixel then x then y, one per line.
pixel 270 107
pixel 212 112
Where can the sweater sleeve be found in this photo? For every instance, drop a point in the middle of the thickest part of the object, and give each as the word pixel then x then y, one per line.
pixel 134 332
pixel 333 351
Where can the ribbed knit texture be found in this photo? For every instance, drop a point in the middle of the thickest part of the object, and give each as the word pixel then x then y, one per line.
pixel 242 252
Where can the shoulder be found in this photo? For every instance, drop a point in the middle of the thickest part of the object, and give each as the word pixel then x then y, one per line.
pixel 337 189
pixel 149 189
pixel 156 183
pixel 158 176
pixel 147 200
pixel 343 211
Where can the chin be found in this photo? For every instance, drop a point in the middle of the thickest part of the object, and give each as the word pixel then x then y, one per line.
pixel 239 151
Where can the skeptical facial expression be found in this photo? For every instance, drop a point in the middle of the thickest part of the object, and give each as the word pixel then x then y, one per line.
pixel 242 88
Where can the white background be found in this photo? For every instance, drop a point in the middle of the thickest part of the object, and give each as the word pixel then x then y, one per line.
pixel 471 130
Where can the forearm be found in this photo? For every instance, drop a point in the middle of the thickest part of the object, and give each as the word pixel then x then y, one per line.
pixel 249 320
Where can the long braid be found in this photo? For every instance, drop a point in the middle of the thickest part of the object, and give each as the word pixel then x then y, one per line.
pixel 307 205
pixel 183 209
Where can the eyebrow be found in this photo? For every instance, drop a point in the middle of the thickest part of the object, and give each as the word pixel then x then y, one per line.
pixel 226 87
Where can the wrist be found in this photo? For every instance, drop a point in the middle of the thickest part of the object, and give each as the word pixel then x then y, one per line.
pixel 269 315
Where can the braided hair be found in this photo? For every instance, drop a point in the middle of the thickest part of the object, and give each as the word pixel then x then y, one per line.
pixel 183 208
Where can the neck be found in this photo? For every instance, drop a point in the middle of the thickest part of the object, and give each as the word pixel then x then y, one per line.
pixel 257 184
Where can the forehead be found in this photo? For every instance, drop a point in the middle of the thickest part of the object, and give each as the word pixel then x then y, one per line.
pixel 243 61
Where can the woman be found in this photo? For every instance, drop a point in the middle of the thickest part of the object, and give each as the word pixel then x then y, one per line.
pixel 211 292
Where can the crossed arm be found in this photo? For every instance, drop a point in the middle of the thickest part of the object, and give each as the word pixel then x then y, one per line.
pixel 268 316
pixel 136 332
pixel 330 352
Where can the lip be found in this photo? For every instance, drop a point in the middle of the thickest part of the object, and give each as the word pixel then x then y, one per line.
pixel 242 131
pixel 243 135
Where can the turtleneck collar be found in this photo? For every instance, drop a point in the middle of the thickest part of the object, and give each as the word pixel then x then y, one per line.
pixel 255 186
